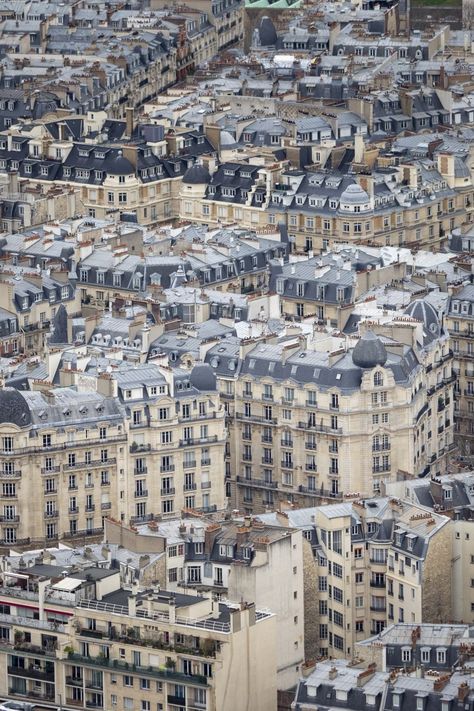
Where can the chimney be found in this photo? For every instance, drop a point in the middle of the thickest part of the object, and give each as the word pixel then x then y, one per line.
pixel 210 535
pixel 13 180
pixel 358 148
pixel 441 682
pixel 132 604
pixel 130 121
pixel 172 610
pixel 332 673
pixel 463 691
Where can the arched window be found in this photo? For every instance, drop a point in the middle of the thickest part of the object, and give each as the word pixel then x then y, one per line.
pixel 378 379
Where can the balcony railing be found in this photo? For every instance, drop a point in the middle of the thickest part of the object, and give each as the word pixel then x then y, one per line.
pixel 263 483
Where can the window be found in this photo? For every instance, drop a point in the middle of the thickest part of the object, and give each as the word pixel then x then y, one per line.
pixel 441 655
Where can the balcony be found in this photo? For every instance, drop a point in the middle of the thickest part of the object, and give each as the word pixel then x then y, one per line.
pixel 192 441
pixel 170 491
pixel 320 428
pixel 267 440
pixel 73 510
pixel 263 483
pixel 106 506
pixel 51 514
pixel 190 487
pixel 378 609
pixel 50 470
pixel 92 464
pixel 141 470
pixel 33 671
pixel 205 484
pixel 90 508
pixel 46 492
pixel 287 443
pixel 256 418
pixel 206 462
pixel 167 468
pixel 74 681
pixel 177 700
pixel 377 583
pixel 320 492
pixel 311 445
pixel 267 460
pixel 311 403
pixel 381 468
pixel 381 447
pixel 189 464
pixel 122 666
pixel 287 464
pixel 142 492
pixel 10 474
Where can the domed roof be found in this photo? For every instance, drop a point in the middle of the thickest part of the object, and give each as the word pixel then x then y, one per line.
pixel 203 378
pixel 267 32
pixel 119 165
pixel 354 195
pixel 14 408
pixel 369 351
pixel 196 175
pixel 426 313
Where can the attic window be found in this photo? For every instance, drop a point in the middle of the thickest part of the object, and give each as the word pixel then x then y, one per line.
pixel 83 410
pixel 99 408
pixel 83 152
pixel 66 412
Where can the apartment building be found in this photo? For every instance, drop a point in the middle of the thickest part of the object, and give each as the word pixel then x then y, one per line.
pixel 306 424
pixel 453 496
pixel 150 445
pixel 234 560
pixel 176 439
pixel 96 645
pixel 459 321
pixel 34 299
pixel 63 454
pixel 116 175
pixel 376 561
pixel 325 207
pixel 344 686
pixel 437 648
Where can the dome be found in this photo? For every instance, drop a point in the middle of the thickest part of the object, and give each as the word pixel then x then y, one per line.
pixel 197 175
pixel 119 166
pixel 14 408
pixel 354 195
pixel 369 351
pixel 203 378
pixel 267 32
pixel 425 312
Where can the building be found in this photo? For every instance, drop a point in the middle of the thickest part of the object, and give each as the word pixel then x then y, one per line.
pixel 95 643
pixel 235 560
pixel 306 424
pixel 375 562
pixel 147 442
pixel 339 684
pixel 460 323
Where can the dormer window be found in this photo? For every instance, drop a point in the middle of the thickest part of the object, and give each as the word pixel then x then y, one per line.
pixel 333 204
pixel 378 379
pixel 44 170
